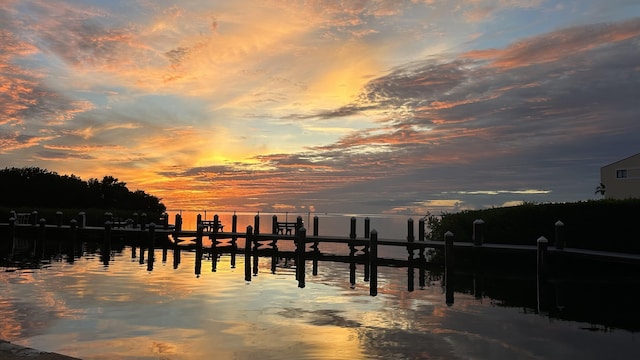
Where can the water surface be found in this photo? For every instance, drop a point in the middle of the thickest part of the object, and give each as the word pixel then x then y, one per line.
pixel 123 311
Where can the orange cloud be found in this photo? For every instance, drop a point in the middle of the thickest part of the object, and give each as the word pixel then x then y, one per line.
pixel 555 46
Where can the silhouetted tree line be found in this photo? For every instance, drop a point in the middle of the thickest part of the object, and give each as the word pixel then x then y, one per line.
pixel 32 186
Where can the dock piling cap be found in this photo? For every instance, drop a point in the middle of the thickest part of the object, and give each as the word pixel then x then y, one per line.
pixel 542 239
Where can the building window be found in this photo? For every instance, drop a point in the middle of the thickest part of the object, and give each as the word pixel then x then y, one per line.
pixel 621 174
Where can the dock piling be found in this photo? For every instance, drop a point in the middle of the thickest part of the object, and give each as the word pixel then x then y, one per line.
pixel 143 222
pixel 106 248
pixel 214 243
pixel 352 253
pixel 73 227
pixel 410 261
pixel 478 232
pixel 301 244
pixel 316 250
pixel 449 267
pixel 199 235
pixel 421 255
pixel 560 235
pixel 543 245
pixel 256 243
pixel 247 254
pixel 367 226
pixel 12 234
pixel 373 264
pixel 151 246
pixel 82 219
pixel 234 240
pixel 40 251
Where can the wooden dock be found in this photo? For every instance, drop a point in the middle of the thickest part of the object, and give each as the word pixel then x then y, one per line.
pixel 421 253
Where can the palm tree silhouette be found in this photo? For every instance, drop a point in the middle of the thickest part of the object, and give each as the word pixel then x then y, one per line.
pixel 601 189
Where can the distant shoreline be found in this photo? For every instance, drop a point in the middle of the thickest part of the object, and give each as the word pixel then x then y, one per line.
pixel 11 351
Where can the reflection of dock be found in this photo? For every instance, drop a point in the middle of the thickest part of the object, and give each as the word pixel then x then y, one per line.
pixel 545 275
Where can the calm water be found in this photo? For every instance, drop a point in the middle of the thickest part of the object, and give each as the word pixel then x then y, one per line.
pixel 123 311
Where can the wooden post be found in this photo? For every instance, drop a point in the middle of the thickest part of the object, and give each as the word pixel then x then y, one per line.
pixel 151 246
pixel 478 232
pixel 234 240
pixel 560 235
pixel 34 218
pixel 12 234
pixel 151 240
pixel 367 262
pixel 410 264
pixel 373 264
pixel 108 216
pixel 352 253
pixel 352 232
pixel 106 248
pixel 421 255
pixel 216 223
pixel 410 233
pixel 41 250
pixel 82 219
pixel 301 239
pixel 256 224
pixel 274 255
pixel 198 220
pixel 73 225
pixel 316 256
pixel 256 243
pixel 542 247
pixel 142 248
pixel 136 219
pixel 274 224
pixel 367 255
pixel 449 267
pixel 178 222
pixel 143 223
pixel 247 254
pixel 59 218
pixel 367 225
pixel 299 224
pixel 316 250
pixel 199 234
pixel 176 256
pixel 214 243
pixel 448 250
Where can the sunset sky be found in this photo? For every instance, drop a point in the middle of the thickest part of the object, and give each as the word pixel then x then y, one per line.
pixel 329 106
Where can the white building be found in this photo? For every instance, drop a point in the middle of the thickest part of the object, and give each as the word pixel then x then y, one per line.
pixel 621 179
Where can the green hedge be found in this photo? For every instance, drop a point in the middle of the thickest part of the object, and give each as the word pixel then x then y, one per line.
pixel 597 224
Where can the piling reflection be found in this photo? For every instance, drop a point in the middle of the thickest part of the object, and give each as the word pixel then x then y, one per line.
pixel 574 292
pixel 334 302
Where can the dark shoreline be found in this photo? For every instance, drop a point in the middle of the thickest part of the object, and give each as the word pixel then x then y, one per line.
pixel 10 351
